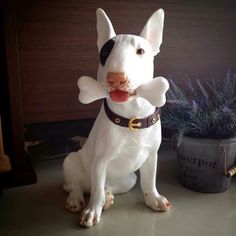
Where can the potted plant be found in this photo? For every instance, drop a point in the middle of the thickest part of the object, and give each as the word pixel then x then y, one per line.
pixel 204 121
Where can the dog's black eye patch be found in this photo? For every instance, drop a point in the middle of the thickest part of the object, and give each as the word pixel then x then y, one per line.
pixel 106 50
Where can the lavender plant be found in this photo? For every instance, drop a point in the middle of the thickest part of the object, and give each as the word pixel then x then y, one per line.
pixel 208 111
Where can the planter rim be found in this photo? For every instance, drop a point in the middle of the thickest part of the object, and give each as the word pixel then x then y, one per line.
pixel 229 140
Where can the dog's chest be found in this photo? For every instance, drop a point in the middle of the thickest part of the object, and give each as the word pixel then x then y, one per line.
pixel 126 150
pixel 126 161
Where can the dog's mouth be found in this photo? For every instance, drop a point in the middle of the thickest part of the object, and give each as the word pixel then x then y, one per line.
pixel 118 95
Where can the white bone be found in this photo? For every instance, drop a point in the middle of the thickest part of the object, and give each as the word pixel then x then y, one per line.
pixel 90 90
pixel 153 91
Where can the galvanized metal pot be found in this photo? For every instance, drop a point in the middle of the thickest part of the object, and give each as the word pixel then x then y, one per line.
pixel 206 165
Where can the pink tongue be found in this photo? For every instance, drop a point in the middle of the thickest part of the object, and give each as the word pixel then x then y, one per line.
pixel 119 96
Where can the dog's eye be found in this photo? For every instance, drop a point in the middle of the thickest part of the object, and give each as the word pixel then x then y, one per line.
pixel 140 51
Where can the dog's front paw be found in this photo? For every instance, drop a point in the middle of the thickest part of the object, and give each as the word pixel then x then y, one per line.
pixel 90 216
pixel 157 202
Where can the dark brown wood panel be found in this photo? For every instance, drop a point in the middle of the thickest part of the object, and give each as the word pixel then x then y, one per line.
pixel 14 84
pixel 11 106
pixel 57 44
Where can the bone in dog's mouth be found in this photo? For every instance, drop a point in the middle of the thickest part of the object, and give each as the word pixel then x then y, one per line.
pixel 118 95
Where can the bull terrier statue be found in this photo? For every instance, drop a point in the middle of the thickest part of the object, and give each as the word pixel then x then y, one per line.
pixel 127 132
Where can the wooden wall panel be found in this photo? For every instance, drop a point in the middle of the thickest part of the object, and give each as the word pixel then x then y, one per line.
pixel 57 44
pixel 11 105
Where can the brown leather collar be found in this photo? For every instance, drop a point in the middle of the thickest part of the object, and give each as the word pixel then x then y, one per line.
pixel 133 123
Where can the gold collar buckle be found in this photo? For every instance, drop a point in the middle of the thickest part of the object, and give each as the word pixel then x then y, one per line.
pixel 132 125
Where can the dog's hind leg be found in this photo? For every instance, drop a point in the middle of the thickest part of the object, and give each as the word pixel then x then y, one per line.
pixel 124 184
pixel 73 177
pixel 109 199
pixel 75 202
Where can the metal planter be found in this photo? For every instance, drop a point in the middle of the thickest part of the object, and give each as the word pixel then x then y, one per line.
pixel 206 165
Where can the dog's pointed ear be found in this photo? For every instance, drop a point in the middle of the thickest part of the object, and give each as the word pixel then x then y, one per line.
pixel 104 28
pixel 153 30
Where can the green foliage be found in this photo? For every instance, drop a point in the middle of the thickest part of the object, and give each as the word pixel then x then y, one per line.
pixel 208 111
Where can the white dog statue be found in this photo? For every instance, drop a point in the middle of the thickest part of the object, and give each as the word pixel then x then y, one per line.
pixel 127 132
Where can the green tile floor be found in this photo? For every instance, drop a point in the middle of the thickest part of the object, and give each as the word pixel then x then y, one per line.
pixel 39 209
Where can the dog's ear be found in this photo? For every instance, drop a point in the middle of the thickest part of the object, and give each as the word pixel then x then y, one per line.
pixel 104 28
pixel 153 30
